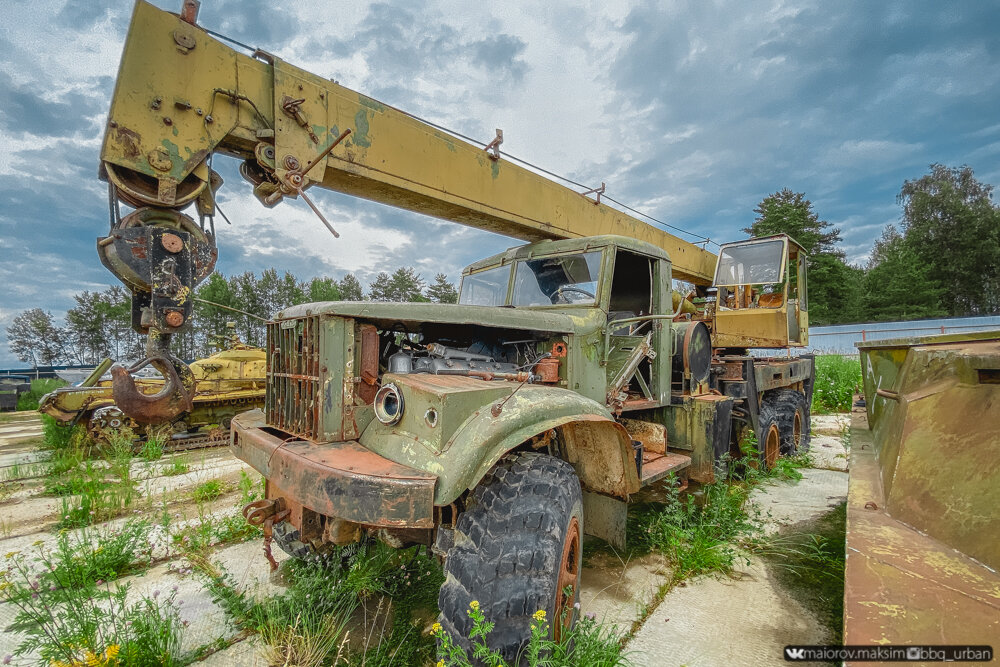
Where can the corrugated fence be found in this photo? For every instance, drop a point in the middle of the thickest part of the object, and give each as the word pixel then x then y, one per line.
pixel 840 338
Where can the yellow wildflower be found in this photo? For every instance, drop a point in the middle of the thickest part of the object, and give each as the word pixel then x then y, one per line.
pixel 38 543
pixel 436 628
pixel 58 663
pixel 440 663
pixel 11 554
pixel 539 615
pixel 111 652
pixel 474 605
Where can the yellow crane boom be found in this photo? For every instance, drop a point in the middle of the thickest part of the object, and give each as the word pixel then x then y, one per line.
pixel 182 95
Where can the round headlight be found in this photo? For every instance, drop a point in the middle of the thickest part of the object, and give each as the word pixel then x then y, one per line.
pixel 389 404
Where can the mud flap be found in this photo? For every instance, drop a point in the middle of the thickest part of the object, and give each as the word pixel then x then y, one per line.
pixel 605 517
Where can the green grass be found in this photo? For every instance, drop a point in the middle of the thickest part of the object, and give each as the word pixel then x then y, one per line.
pixel 208 491
pixel 29 399
pixel 808 560
pixel 177 466
pixel 588 643
pixel 68 623
pixel 152 449
pixel 697 532
pixel 93 555
pixel 211 531
pixel 837 380
pixel 93 491
pixel 56 436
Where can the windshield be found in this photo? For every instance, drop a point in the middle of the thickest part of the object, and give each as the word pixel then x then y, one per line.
pixel 568 279
pixel 750 263
pixel 485 288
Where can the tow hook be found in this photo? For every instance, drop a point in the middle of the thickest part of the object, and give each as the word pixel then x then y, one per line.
pixel 264 514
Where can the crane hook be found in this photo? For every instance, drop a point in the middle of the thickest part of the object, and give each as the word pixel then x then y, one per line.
pixel 174 398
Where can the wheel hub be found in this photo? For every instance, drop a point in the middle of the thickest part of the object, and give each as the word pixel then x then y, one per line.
pixel 772 446
pixel 566 583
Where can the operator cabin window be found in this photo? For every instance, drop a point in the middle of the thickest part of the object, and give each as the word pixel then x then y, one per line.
pixel 749 275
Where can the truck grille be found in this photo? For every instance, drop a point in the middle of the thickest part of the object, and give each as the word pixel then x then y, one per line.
pixel 293 377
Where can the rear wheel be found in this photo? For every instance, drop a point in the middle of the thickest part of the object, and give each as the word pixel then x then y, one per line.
pixel 793 421
pixel 517 551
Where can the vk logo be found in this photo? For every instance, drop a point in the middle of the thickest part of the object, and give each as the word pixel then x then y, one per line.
pixel 794 653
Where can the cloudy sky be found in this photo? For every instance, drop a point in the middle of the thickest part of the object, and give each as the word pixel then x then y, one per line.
pixel 690 111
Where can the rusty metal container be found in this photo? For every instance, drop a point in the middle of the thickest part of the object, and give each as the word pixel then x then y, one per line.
pixel 923 515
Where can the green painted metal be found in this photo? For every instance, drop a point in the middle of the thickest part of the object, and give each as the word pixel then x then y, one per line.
pixel 928 403
pixel 468 438
pixel 922 515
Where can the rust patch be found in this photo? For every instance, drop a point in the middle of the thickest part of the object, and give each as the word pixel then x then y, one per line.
pixel 339 479
pixel 129 141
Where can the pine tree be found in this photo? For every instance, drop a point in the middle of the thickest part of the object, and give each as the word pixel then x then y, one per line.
pixel 442 291
pixel 834 287
pixel 350 288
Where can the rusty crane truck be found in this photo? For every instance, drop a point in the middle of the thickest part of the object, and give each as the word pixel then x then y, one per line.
pixel 496 431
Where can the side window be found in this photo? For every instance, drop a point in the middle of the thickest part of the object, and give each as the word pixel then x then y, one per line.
pixel 631 286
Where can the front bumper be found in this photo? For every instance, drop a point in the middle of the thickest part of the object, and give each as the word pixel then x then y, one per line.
pixel 336 479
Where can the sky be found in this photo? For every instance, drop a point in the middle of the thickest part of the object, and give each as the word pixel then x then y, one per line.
pixel 692 112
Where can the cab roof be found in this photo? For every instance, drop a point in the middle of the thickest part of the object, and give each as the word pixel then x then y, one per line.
pixel 563 246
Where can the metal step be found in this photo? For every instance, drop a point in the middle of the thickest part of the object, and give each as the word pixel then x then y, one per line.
pixel 657 466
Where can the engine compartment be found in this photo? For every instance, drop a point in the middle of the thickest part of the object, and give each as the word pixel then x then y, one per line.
pixel 463 350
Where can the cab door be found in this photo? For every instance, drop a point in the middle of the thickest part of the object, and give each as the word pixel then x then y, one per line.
pixel 637 345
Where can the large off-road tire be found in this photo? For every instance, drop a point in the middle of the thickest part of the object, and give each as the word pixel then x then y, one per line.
pixel 517 550
pixel 769 433
pixel 793 421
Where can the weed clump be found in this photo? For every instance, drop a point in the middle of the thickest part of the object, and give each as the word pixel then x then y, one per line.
pixel 837 380
pixel 93 555
pixel 588 643
pixel 810 559
pixel 29 400
pixel 71 621
pixel 208 491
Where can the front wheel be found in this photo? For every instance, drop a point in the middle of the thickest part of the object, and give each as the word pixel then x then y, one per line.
pixel 517 551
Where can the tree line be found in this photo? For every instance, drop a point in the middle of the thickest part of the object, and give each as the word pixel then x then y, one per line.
pixel 100 324
pixel 943 260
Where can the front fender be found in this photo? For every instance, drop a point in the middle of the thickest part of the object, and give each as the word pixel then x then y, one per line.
pixel 597 446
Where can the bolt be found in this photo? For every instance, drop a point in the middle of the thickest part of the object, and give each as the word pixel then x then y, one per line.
pixel 112 123
pixel 209 119
pixel 198 111
pixel 291 162
pixel 174 318
pixel 156 103
pixel 295 179
pixel 167 120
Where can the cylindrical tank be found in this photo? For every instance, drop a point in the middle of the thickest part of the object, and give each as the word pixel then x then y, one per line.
pixel 692 350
